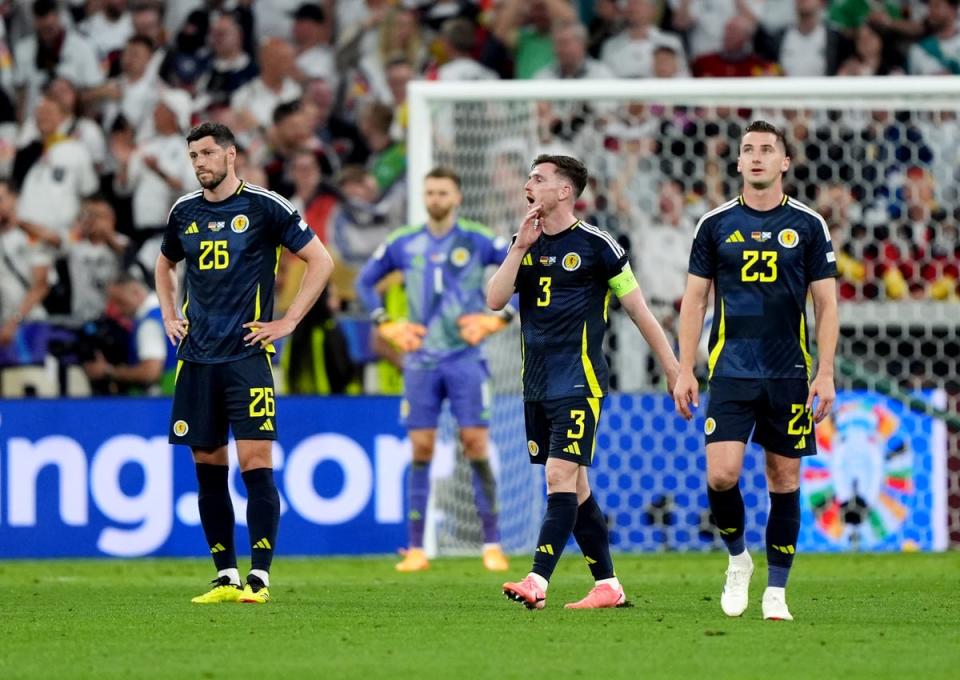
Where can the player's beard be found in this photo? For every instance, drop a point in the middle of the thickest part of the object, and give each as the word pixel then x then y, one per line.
pixel 439 213
pixel 214 181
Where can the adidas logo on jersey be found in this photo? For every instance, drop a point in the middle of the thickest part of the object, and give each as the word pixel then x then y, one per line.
pixel 192 229
pixel 735 237
pixel 572 447
pixel 267 426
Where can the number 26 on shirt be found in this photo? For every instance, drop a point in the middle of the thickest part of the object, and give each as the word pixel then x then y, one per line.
pixel 214 255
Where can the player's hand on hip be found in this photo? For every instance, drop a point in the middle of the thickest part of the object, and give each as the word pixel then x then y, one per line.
pixel 176 329
pixel 475 327
pixel 823 390
pixel 686 393
pixel 405 336
pixel 264 332
pixel 530 228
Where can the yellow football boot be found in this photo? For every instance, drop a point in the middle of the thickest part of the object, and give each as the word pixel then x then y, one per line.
pixel 222 591
pixel 255 592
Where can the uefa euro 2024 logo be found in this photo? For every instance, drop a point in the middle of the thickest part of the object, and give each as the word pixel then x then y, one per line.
pixel 860 482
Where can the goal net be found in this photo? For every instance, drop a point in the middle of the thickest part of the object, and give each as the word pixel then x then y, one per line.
pixel 878 158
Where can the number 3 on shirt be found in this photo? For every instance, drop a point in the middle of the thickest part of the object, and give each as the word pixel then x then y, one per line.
pixel 544 299
pixel 220 255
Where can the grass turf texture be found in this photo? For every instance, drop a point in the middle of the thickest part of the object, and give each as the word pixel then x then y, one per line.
pixel 871 616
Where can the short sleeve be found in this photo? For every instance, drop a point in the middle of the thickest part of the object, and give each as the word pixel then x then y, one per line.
pixel 703 253
pixel 611 256
pixel 821 261
pixel 171 246
pixel 292 231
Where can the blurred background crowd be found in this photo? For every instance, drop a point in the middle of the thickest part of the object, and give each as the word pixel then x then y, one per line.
pixel 97 95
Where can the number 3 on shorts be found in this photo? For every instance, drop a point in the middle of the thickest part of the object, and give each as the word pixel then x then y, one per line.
pixel 264 395
pixel 577 416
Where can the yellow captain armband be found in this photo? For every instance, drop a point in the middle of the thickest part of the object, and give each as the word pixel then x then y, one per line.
pixel 624 282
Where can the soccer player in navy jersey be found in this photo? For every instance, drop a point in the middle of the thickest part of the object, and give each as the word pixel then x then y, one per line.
pixel 443 263
pixel 230 234
pixel 564 271
pixel 762 252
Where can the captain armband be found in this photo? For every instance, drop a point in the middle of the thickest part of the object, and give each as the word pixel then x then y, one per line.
pixel 624 282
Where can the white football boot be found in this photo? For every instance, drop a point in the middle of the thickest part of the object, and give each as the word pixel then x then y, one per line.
pixel 736 590
pixel 775 605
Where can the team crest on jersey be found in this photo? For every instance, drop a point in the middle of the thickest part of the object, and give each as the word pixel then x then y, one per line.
pixel 180 428
pixel 762 236
pixel 532 447
pixel 571 262
pixel 459 256
pixel 216 226
pixel 547 260
pixel 788 238
pixel 710 426
pixel 239 224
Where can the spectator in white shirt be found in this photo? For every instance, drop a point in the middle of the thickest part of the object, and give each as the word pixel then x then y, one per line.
pixel 254 102
pixel 939 53
pixel 133 93
pixel 704 21
pixel 311 37
pixel 459 40
pixel 84 130
pixel 157 171
pixel 629 53
pixel 570 47
pixel 24 271
pixel 809 47
pixel 93 259
pixel 52 51
pixel 108 29
pixel 56 182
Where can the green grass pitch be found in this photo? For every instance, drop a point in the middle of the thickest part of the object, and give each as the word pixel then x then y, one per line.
pixel 869 616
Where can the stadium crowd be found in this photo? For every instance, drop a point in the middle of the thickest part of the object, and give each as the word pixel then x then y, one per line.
pixel 97 95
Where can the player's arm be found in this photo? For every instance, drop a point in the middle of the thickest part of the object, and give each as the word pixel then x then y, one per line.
pixel 824 294
pixel 627 290
pixel 319 267
pixel 503 282
pixel 692 310
pixel 165 275
pixel 403 335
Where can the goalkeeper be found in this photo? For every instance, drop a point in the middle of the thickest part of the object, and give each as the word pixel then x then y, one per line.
pixel 443 264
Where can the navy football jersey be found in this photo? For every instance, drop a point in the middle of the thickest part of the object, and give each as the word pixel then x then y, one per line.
pixel 563 296
pixel 232 249
pixel 761 264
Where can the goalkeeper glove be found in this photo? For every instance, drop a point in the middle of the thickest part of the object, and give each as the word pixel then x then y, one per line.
pixel 475 327
pixel 404 335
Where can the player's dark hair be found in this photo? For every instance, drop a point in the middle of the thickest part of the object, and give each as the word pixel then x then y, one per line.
pixel 443 172
pixel 569 167
pixel 764 126
pixel 222 135
pixel 460 33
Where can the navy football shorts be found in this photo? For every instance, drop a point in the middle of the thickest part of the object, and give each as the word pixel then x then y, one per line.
pixel 210 398
pixel 562 428
pixel 774 410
